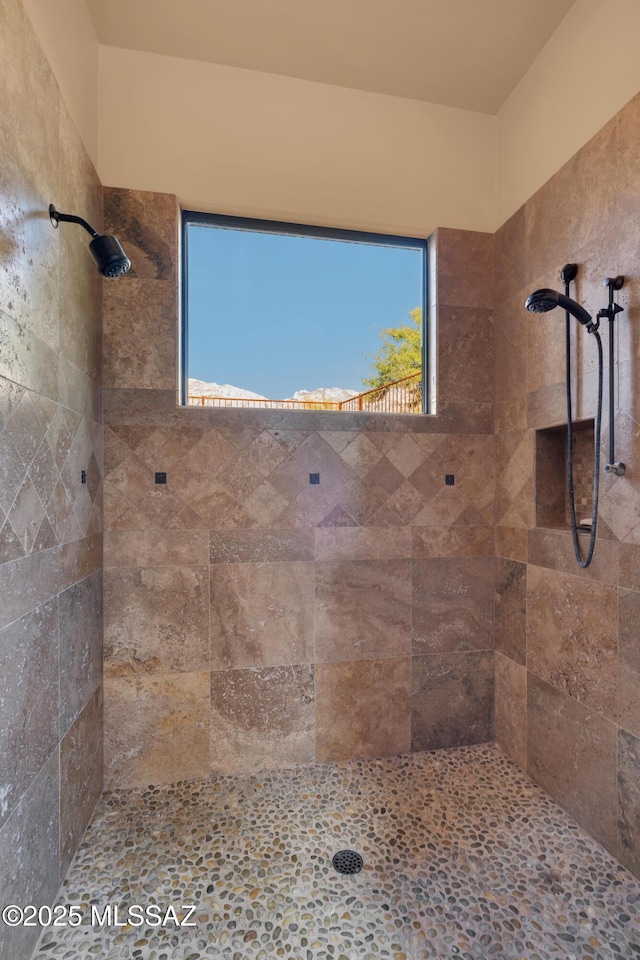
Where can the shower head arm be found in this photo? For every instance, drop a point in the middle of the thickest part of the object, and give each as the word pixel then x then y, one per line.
pixel 110 258
pixel 56 217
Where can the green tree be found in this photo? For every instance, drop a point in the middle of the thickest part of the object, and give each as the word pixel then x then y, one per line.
pixel 400 354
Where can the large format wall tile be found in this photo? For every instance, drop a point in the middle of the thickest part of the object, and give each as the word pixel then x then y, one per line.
pixel 464 268
pixel 150 548
pixel 80 622
pixel 572 755
pixel 261 546
pixel 26 359
pixel 138 360
pixel 80 283
pixel 158 408
pixel 363 609
pixel 629 558
pixel 571 636
pixel 26 583
pixel 509 255
pixel 629 661
pixel 78 560
pixel 156 619
pixel 514 481
pixel 554 549
pixel 261 614
pixel 29 854
pixel 362 543
pixel 452 699
pixel 629 801
pixel 510 357
pixel 465 353
pixel 628 169
pixel 363 709
pixel 156 728
pixel 29 142
pixel 510 609
pixel 511 542
pixel 546 349
pixel 262 718
pixel 511 708
pixel 81 771
pixel 148 228
pixel 79 392
pixel 510 414
pixel 452 605
pixel 455 541
pixel 29 701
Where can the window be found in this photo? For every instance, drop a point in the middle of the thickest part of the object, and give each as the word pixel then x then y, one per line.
pixel 287 316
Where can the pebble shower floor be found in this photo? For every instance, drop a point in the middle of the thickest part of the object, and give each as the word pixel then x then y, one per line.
pixel 464 858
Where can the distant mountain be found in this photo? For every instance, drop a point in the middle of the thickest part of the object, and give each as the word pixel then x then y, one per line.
pixel 200 388
pixel 331 394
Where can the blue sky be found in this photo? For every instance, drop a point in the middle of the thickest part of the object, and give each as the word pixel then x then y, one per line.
pixel 275 313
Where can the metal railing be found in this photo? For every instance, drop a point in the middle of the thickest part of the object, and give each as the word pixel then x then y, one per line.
pixel 398 396
pixel 268 404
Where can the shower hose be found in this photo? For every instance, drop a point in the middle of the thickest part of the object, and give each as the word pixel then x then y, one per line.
pixel 584 561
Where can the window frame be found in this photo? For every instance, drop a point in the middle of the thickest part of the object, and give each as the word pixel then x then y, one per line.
pixel 255 225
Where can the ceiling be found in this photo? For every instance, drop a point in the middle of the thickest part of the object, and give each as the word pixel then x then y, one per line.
pixel 459 53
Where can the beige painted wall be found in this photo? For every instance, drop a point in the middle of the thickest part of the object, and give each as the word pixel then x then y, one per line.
pixel 68 39
pixel 238 141
pixel 241 142
pixel 587 71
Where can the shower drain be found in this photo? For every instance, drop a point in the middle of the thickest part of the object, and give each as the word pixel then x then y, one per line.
pixel 347 861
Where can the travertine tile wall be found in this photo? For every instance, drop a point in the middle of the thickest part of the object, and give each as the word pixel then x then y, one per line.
pixel 50 524
pixel 567 660
pixel 253 620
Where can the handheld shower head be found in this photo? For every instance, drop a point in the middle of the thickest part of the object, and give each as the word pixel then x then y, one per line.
pixel 107 251
pixel 541 301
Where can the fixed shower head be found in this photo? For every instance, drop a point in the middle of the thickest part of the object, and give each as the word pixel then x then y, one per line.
pixel 109 256
pixel 541 301
pixel 107 251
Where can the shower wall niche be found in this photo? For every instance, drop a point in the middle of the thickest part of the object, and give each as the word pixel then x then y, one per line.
pixel 552 492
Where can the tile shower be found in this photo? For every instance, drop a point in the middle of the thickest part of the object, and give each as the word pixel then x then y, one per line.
pixel 253 623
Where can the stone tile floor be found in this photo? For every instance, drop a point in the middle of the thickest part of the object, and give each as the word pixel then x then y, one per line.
pixel 464 858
